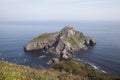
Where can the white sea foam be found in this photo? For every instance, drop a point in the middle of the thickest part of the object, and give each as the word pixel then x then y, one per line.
pixel 103 71
pixel 95 67
pixel 78 59
pixel 92 65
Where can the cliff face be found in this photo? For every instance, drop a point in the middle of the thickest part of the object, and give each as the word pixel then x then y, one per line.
pixel 64 42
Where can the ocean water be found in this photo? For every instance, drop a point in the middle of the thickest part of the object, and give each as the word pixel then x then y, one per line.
pixel 104 56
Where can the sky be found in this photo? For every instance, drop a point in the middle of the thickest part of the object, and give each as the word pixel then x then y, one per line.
pixel 41 10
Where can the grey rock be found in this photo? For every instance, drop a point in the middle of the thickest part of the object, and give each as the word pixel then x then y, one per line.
pixel 53 60
pixel 43 56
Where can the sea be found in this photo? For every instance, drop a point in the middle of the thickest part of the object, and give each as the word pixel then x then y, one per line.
pixel 104 56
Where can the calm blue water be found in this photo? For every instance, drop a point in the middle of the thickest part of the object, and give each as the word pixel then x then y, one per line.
pixel 105 54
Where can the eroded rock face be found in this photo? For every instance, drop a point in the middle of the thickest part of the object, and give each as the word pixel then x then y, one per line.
pixel 64 42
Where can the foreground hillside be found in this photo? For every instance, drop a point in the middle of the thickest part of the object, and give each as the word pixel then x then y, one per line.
pixel 64 70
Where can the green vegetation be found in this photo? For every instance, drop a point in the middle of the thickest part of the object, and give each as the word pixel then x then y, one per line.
pixel 76 40
pixel 42 36
pixel 9 71
pixel 76 68
pixel 64 70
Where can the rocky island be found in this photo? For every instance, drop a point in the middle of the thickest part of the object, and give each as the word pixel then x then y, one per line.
pixel 64 43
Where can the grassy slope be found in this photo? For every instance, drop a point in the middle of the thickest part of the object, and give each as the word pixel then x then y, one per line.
pixel 65 70
pixel 42 36
pixel 76 40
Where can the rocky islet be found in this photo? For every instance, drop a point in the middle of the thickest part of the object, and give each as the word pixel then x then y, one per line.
pixel 65 43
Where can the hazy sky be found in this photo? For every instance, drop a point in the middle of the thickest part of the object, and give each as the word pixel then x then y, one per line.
pixel 35 10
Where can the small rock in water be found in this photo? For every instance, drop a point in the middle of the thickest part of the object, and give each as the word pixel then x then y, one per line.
pixel 25 60
pixel 20 54
pixel 74 55
pixel 53 47
pixel 43 51
pixel 40 57
pixel 65 56
pixel 2 58
pixel 49 62
pixel 46 52
pixel 53 60
pixel 15 59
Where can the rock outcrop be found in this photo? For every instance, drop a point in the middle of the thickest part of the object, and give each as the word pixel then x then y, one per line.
pixel 64 43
